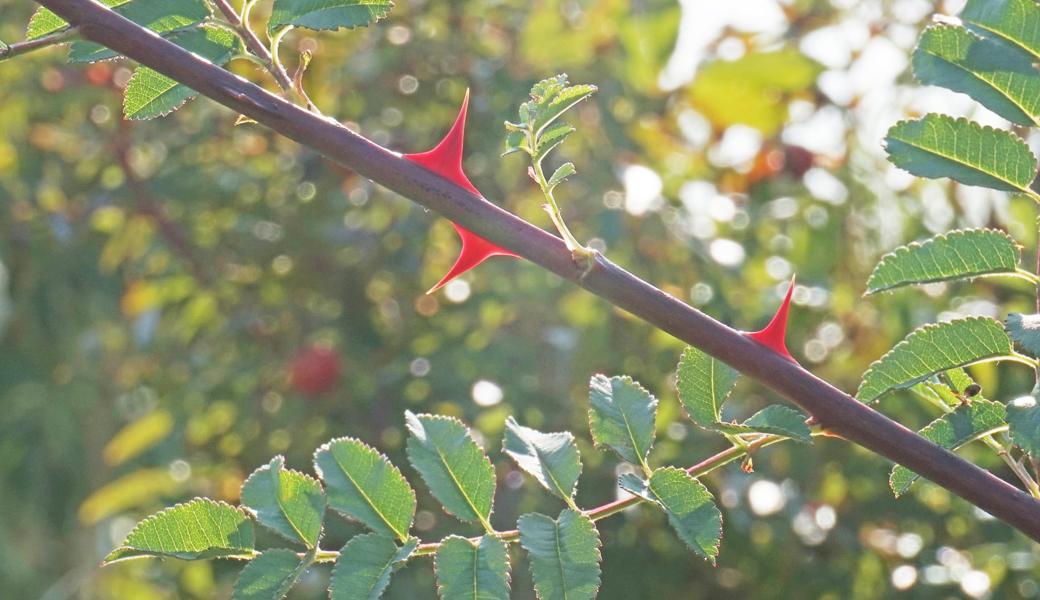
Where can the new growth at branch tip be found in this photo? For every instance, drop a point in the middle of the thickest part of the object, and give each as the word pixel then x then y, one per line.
pixel 445 159
pixel 774 334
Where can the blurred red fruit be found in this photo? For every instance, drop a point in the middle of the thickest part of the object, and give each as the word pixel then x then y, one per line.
pixel 99 74
pixel 315 370
pixel 797 161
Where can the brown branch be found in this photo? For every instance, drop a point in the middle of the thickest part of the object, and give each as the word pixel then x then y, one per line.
pixel 832 408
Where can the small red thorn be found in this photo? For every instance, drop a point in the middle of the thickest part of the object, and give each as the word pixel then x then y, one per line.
pixel 774 334
pixel 445 159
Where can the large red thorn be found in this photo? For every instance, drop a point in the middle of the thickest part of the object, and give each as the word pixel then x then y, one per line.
pixel 773 335
pixel 445 159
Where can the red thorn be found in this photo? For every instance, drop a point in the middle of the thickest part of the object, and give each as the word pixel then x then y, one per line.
pixel 445 159
pixel 773 335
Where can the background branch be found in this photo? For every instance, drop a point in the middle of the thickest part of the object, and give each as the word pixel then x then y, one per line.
pixel 833 409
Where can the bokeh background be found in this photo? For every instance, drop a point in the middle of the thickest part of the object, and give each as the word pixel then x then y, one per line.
pixel 159 279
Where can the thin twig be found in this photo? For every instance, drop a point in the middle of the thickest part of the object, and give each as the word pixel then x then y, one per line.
pixel 52 39
pixel 834 409
pixel 260 50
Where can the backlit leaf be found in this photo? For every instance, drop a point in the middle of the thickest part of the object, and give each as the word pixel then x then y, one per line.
pixel 938 146
pixel 1023 418
pixel 200 528
pixel 1025 329
pixel 953 255
pixel 931 349
pixel 327 14
pixel 460 476
pixel 288 502
pixel 1015 21
pixel 362 484
pixel 161 16
pixel 1001 78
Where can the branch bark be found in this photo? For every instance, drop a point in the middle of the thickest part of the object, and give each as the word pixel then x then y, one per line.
pixel 833 409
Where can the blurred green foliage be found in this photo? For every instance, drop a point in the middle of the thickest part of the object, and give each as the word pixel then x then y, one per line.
pixel 157 278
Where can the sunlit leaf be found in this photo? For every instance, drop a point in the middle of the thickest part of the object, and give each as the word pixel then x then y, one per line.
pixel 563 172
pixel 1015 21
pixel 938 146
pixel 1002 79
pixel 945 257
pixel 460 476
pixel 137 437
pixel 564 555
pixel 44 21
pixel 362 484
pixel 931 349
pixel 161 16
pixel 200 528
pixel 1023 418
pixel 150 94
pixel 288 502
pixel 468 571
pixel 327 14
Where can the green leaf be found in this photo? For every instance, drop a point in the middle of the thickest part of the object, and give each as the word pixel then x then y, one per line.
pixel 365 564
pixel 940 146
pixel 689 505
pixel 553 136
pixel 564 554
pixel 288 502
pixel 780 420
pixel 161 16
pixel 967 423
pixel 468 571
pixel 551 458
pixel 44 22
pixel 704 384
pixel 1014 21
pixel 327 14
pixel 460 476
pixel 550 98
pixel 931 349
pixel 199 528
pixel 150 94
pixel 269 576
pixel 1023 418
pixel 622 415
pixel 1025 329
pixel 953 255
pixel 362 484
pixel 563 172
pixel 516 141
pixel 1001 78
